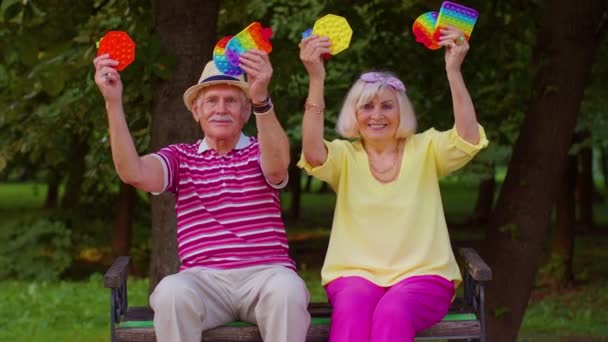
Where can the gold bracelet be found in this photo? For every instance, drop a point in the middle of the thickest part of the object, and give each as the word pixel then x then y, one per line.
pixel 314 108
pixel 270 108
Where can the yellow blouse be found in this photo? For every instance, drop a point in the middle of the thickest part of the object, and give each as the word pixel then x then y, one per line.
pixel 386 232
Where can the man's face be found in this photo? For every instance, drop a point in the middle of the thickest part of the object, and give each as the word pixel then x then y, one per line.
pixel 222 110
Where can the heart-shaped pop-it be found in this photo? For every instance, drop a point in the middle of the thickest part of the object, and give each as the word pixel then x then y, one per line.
pixel 253 36
pixel 424 28
pixel 220 60
pixel 120 47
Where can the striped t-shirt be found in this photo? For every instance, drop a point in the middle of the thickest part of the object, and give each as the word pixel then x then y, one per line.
pixel 228 215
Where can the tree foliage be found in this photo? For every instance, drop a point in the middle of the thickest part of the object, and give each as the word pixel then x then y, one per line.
pixel 52 107
pixel 51 103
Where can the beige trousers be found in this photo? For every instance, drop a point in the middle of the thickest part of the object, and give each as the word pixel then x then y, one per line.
pixel 273 297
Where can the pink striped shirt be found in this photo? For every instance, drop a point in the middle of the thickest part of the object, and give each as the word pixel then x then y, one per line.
pixel 228 215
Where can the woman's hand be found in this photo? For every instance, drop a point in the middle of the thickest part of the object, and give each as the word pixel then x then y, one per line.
pixel 456 47
pixel 107 78
pixel 312 49
pixel 259 72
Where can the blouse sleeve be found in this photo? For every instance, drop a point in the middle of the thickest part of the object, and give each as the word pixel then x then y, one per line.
pixel 329 171
pixel 453 152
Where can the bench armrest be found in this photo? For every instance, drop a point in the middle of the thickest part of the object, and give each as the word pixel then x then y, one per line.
pixel 474 264
pixel 116 275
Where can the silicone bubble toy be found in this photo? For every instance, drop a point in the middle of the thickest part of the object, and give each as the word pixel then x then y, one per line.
pixel 424 28
pixel 457 16
pixel 220 60
pixel 338 31
pixel 253 36
pixel 120 47
pixel 306 33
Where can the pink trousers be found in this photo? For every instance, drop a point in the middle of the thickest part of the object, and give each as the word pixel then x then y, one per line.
pixel 364 311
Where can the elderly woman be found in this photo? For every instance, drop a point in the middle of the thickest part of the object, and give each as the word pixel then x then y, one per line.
pixel 389 271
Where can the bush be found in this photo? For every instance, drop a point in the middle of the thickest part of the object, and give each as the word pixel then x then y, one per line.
pixel 34 250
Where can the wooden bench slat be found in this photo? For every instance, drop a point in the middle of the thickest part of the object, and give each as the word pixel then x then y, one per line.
pixel 137 326
pixel 478 269
pixel 143 313
pixel 316 333
pixel 117 273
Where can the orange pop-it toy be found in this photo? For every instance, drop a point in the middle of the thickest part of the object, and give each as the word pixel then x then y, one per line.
pixel 120 47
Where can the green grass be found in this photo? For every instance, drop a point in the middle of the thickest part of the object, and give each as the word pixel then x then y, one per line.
pixel 21 196
pixel 580 311
pixel 18 200
pixel 59 311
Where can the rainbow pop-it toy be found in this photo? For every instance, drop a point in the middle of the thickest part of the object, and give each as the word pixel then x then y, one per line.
pixel 253 36
pixel 457 16
pixel 337 29
pixel 220 60
pixel 424 28
pixel 120 47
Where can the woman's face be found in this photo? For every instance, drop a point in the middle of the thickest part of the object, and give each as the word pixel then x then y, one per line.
pixel 379 118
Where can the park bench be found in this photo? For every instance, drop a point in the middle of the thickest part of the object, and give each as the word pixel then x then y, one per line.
pixel 465 320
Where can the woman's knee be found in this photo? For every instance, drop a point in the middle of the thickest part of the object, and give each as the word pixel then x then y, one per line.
pixel 353 292
pixel 395 310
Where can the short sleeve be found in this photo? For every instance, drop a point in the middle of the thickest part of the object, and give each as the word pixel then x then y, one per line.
pixel 169 159
pixel 452 152
pixel 329 171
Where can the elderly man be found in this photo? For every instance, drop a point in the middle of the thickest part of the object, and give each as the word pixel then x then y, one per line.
pixel 235 262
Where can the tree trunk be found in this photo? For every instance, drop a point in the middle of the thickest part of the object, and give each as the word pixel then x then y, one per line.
pixel 187 29
pixel 295 173
pixel 604 165
pixel 52 192
pixel 563 240
pixel 564 52
pixel 79 149
pixel 122 228
pixel 485 201
pixel 308 186
pixel 586 190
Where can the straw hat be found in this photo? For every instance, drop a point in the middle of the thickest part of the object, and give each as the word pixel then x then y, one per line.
pixel 211 76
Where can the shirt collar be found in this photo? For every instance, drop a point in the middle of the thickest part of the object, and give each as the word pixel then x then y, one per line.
pixel 242 143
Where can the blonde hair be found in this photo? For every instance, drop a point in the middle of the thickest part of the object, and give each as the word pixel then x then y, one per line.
pixel 363 92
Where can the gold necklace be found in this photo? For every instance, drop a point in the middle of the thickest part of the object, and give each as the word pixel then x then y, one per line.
pixel 391 166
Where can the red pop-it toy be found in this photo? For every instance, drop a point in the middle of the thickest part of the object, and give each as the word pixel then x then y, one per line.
pixel 120 47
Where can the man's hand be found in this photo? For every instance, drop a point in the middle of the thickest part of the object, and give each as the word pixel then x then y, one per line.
pixel 107 78
pixel 259 72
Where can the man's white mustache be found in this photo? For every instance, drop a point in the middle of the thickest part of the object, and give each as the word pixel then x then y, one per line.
pixel 221 117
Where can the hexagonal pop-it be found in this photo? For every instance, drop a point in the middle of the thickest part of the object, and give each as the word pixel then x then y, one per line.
pixel 424 28
pixel 120 47
pixel 253 36
pixel 458 16
pixel 220 60
pixel 337 29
